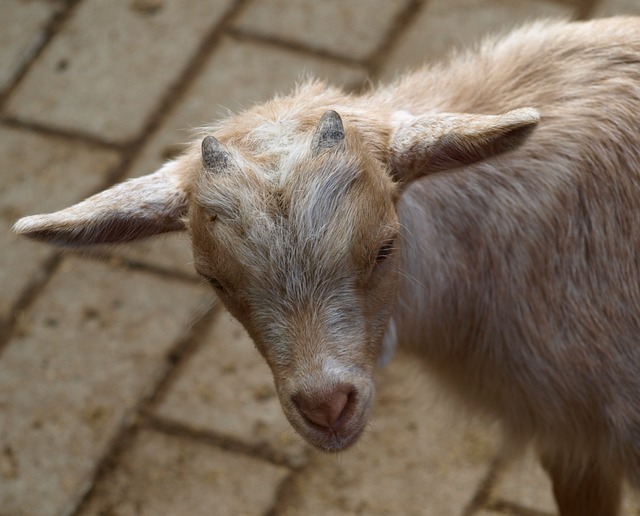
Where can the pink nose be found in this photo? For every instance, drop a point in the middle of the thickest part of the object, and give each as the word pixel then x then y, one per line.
pixel 326 409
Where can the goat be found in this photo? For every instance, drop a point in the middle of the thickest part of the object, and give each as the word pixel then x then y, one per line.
pixel 484 213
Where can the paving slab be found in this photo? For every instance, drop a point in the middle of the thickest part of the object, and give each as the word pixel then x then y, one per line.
pixel 236 76
pixel 351 29
pixel 22 29
pixel 418 457
pixel 443 26
pixel 168 251
pixel 163 474
pixel 112 63
pixel 86 352
pixel 631 505
pixel 617 7
pixel 227 388
pixel 525 483
pixel 39 174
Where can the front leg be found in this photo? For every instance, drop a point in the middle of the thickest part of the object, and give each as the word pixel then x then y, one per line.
pixel 588 490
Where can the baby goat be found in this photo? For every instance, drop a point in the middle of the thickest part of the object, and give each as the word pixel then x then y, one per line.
pixel 485 214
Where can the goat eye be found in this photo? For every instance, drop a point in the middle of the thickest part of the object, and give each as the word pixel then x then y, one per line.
pixel 215 283
pixel 385 251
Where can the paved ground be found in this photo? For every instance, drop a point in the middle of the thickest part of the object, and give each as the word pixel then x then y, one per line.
pixel 124 388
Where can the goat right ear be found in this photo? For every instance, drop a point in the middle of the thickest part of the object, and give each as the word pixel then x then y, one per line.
pixel 134 209
pixel 422 145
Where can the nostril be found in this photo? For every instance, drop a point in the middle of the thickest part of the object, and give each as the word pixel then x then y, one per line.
pixel 326 409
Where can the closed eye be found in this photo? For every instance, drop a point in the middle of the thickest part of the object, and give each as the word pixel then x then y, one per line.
pixel 385 251
pixel 215 283
pixel 212 281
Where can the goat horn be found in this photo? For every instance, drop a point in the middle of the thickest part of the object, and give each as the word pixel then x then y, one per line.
pixel 330 131
pixel 214 156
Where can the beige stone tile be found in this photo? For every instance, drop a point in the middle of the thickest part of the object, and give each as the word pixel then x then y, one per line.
pixel 617 7
pixel 39 174
pixel 252 73
pixel 631 505
pixel 86 352
pixel 416 458
pixel 111 64
pixel 22 26
pixel 525 483
pixel 445 25
pixel 353 29
pixel 227 388
pixel 169 475
pixel 171 251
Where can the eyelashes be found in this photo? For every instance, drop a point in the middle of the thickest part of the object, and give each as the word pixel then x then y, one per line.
pixel 215 283
pixel 385 251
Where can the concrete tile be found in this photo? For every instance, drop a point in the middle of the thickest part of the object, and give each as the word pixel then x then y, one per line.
pixel 353 29
pixel 86 352
pixel 252 73
pixel 416 457
pixel 445 25
pixel 111 64
pixel 227 388
pixel 39 174
pixel 22 26
pixel 617 7
pixel 170 251
pixel 170 475
pixel 525 483
pixel 631 504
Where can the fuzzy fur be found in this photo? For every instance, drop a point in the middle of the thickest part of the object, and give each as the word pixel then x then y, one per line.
pixel 508 181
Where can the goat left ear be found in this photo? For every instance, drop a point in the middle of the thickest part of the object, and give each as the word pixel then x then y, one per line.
pixel 423 145
pixel 134 209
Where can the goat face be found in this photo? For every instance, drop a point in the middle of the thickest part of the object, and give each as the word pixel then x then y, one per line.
pixel 301 249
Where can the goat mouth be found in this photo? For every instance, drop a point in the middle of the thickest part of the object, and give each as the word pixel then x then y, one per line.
pixel 338 441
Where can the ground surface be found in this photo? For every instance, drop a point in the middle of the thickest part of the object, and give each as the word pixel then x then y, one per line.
pixel 124 389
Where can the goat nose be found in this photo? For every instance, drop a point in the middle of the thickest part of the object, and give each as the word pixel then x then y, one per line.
pixel 326 409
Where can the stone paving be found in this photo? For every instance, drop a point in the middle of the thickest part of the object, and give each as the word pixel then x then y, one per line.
pixel 124 387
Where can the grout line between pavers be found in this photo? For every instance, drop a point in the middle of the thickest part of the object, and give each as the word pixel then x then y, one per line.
pixel 178 358
pixel 180 430
pixel 27 297
pixel 55 132
pixel 53 27
pixel 110 256
pixel 134 420
pixel 286 491
pixel 586 9
pixel 483 493
pixel 283 492
pixel 292 46
pixel 505 507
pixel 399 26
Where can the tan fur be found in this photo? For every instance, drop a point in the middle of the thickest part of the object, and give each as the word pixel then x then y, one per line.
pixel 515 269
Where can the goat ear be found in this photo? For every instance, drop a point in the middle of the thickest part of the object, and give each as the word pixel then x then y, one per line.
pixel 433 143
pixel 134 209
